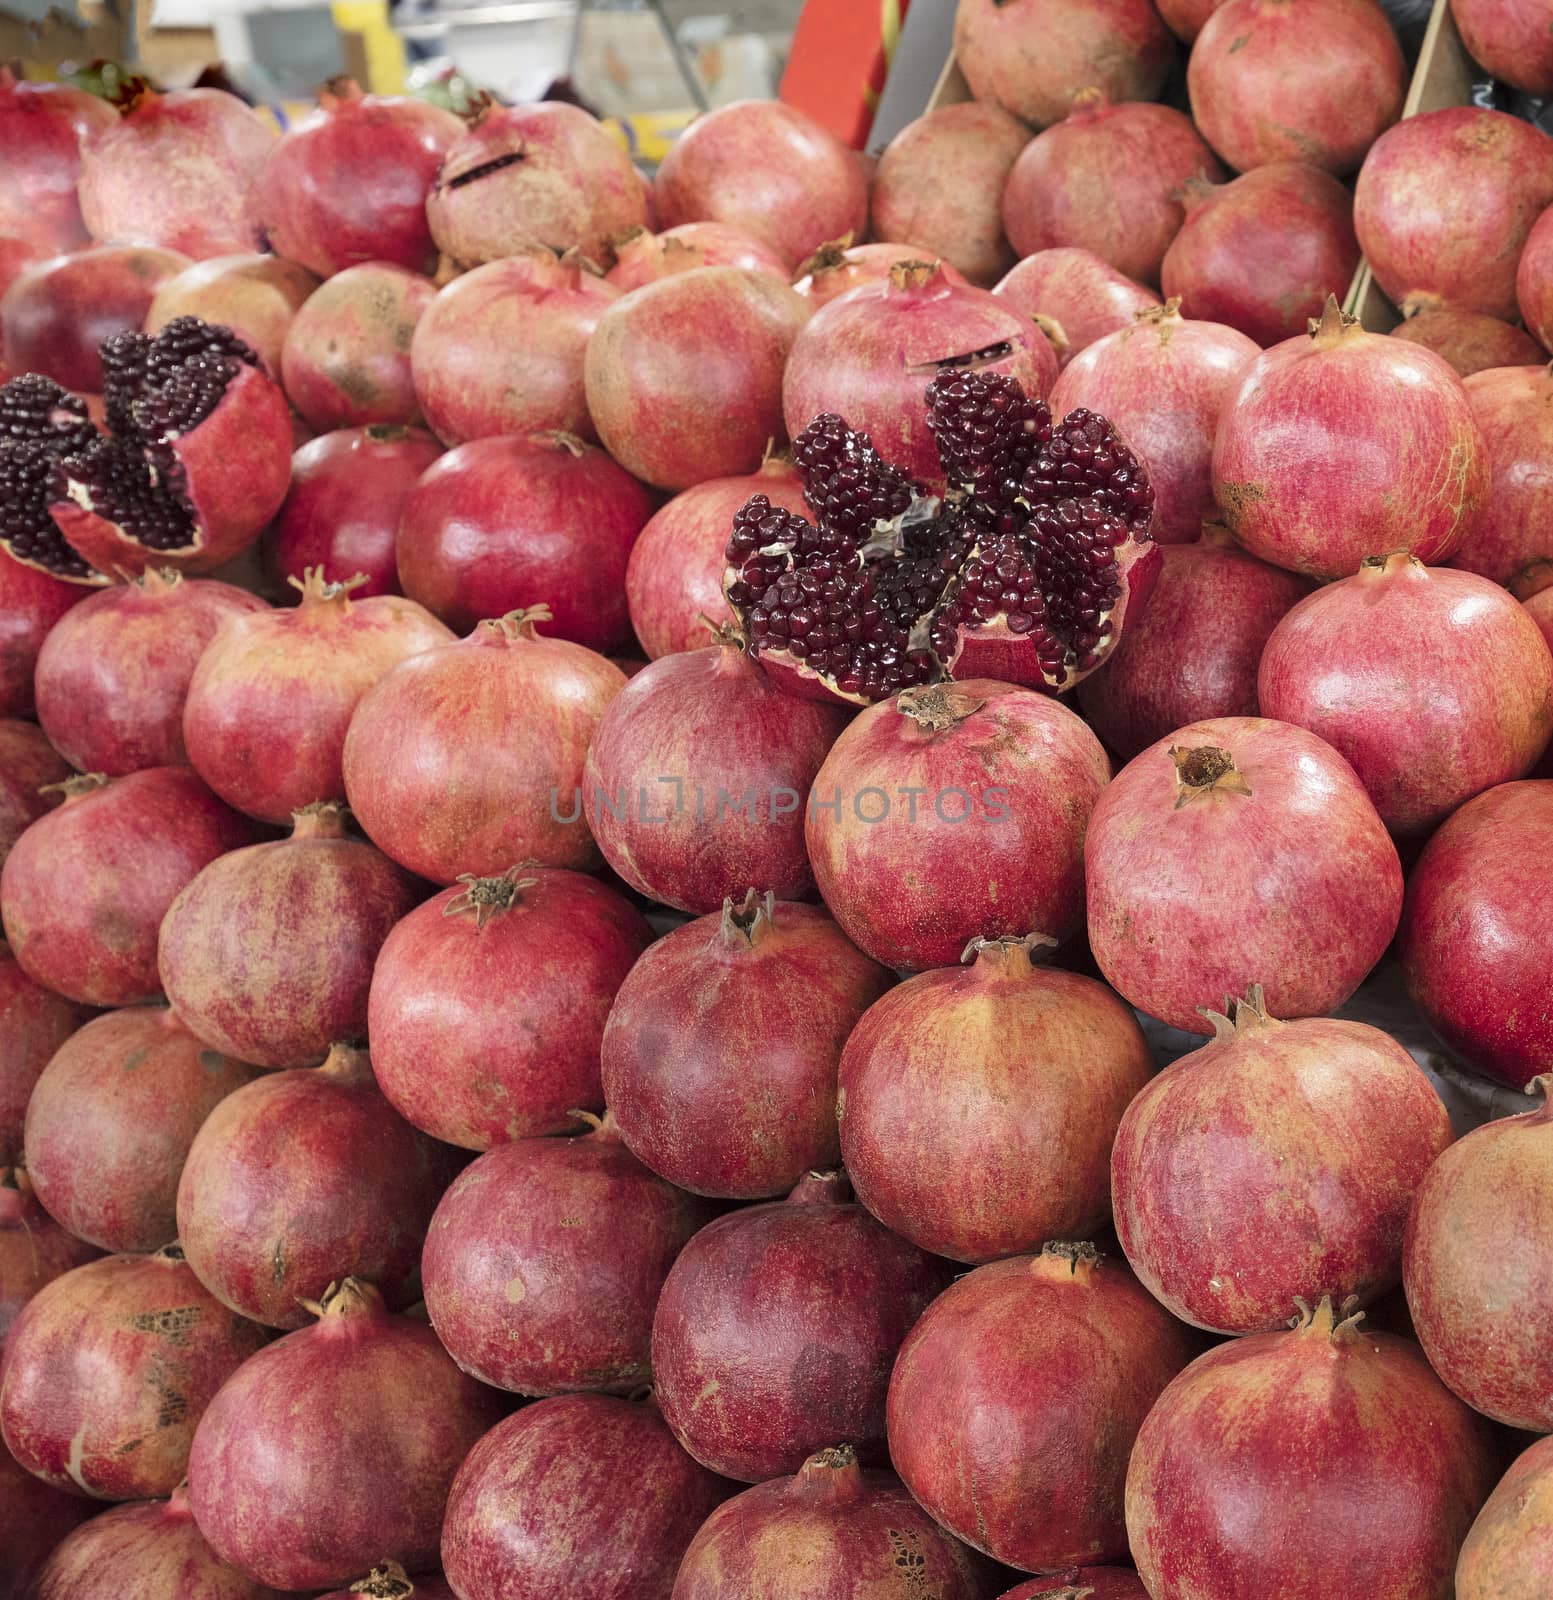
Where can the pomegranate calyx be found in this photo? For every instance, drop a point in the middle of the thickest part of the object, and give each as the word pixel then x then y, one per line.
pixel 1333 325
pixel 1193 192
pixel 1392 561
pixel 1248 1014
pixel 1092 98
pixel 1056 334
pixel 1156 316
pixel 387 432
pixel 1541 1085
pixel 1079 1254
pixel 315 589
pixel 322 819
pixel 569 442
pixel 577 262
pixel 1202 769
pixel 516 625
pixel 831 1187
pixel 350 1298
pixel 729 635
pixel 831 1476
pixel 745 924
pixel 938 707
pixel 341 90
pixel 157 580
pixel 1532 579
pixel 915 275
pixel 598 1127
pixel 347 1063
pixel 489 897
pixel 78 785
pixel 829 256
pixel 1001 953
pixel 1340 1327
pixel 169 1254
pixel 388 1581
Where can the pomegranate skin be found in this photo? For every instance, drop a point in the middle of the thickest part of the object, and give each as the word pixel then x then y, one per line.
pixel 581 1495
pixel 41 129
pixel 1024 1385
pixel 109 1369
pixel 978 1104
pixel 34 1023
pixel 837 268
pixel 34 1519
pixel 1444 203
pixel 1514 529
pixel 268 953
pixel 1107 179
pixel 829 1532
pixel 111 1121
pixel 31 602
pixel 256 296
pixel 777 1327
pixel 641 257
pixel 1267 1448
pixel 1534 279
pixel 1510 40
pixel 396 1418
pixel 1295 491
pixel 113 675
pixel 684 377
pixel 34 1251
pixel 1185 19
pixel 911 887
pixel 768 170
pixel 1262 252
pixel 675 1044
pixel 1310 915
pixel 1074 297
pixel 1082 1583
pixel 1507 1554
pixel 30 771
pixel 544 1262
pixel 1469 341
pixel 85 889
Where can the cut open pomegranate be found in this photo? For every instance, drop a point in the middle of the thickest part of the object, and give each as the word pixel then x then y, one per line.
pixel 40 424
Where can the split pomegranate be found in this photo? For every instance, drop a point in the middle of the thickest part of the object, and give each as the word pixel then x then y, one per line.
pixel 108 1370
pixel 391 1582
pixel 1267 1448
pixel 31 602
pixel 778 1326
pixel 829 1532
pixel 1263 252
pixel 255 296
pixel 767 169
pixel 1444 205
pixel 34 1251
pixel 111 1120
pixel 84 890
pixel 1534 279
pixel 1514 529
pixel 675 1049
pixel 31 771
pixel 641 257
pixel 390 1419
pixel 34 1023
pixel 34 1519
pixel 1310 910
pixel 1082 1583
pixel 580 1494
pixel 1074 298
pixel 41 129
pixel 1506 1555
pixel 113 675
pixel 1024 1385
pixel 1295 490
pixel 1469 341
pixel 839 267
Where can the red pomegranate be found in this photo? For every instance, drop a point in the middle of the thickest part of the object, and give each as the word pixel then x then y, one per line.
pixel 31 773
pixel 1082 1583
pixel 1024 1385
pixel 1267 1448
pixel 390 1581
pixel 1513 531
pixel 349 183
pixel 1469 341
pixel 111 1120
pixel 641 257
pixel 1534 279
pixel 31 602
pixel 674 1049
pixel 341 514
pixel 274 692
pixel 502 523
pixel 16 255
pixel 581 1492
pixel 1074 298
pixel 767 169
pixel 1295 490
pixel 41 129
pixel 1444 204
pixel 953 813
pixel 85 889
pixel 829 1532
pixel 34 1519
pixel 684 377
pixel 109 1369
pixel 34 1023
pixel 1506 1555
pixel 500 349
pixel 1033 57
pixel 1508 40
pixel 839 267
pixel 1311 913
pixel 778 1326
pixel 34 1251
pixel 113 675
pixel 1185 19
pixel 1263 252
pixel 391 1420
pixel 256 296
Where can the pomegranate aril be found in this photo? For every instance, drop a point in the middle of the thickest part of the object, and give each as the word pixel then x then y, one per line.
pixel 39 423
pixel 986 430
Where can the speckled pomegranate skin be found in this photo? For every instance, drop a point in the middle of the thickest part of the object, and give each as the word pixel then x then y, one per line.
pixel 256 296
pixel 34 1518
pixel 1534 280
pixel 1074 296
pixel 1508 1554
pixel 1270 1452
pixel 41 127
pixel 31 602
pixel 1514 409
pixel 34 1023
pixel 28 763
pixel 1471 343
pixel 34 1251
pixel 1082 1583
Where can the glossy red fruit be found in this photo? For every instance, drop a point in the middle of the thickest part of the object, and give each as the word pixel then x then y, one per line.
pixel 31 770
pixel 838 268
pixel 15 256
pixel 1514 529
pixel 1506 1555
pixel 1024 1384
pixel 34 1023
pixel 1082 1583
pixel 1266 1447
pixel 1469 341
pixel 34 1251
pixel 1534 280
pixel 31 602
pixel 256 296
pixel 41 129
pixel 34 1519
pixel 1074 298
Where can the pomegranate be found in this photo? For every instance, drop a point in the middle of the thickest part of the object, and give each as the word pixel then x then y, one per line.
pixel 500 349
pixel 31 602
pixel 111 1120
pixel 1424 729
pixel 1074 297
pixel 34 1519
pixel 41 129
pixel 392 1418
pixel 777 1328
pixel 955 812
pixel 502 523
pixel 495 729
pixel 268 953
pixel 978 1103
pixel 1534 279
pixel 16 255
pixel 1032 57
pixel 1024 1385
pixel 1506 1554
pixel 829 1532
pixel 113 675
pixel 1107 179
pixel 34 1251
pixel 346 359
pixel 488 1004
pixel 1510 41
pixel 349 183
pixel 1313 911
pixel 34 1023
pixel 675 1048
pixel 274 692
pixel 1185 19
pixel 641 257
pixel 1295 490
pixel 255 296
pixel 109 1369
pixel 839 267
pixel 1469 341
pixel 684 377
pixel 1444 204
pixel 767 169
pixel 582 1493
pixel 176 170
pixel 31 772
pixel 940 181
pixel 1263 252
pixel 85 888
pixel 1082 1583
pixel 1514 530
pixel 391 1582
pixel 1267 1449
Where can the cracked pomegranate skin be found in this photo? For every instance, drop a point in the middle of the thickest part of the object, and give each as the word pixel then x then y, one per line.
pixel 1271 1452
pixel 34 1519
pixel 1508 1555
pixel 1016 1398
pixel 108 1370
pixel 1514 529
pixel 1074 297
pixel 41 129
pixel 1471 342
pixel 256 296
pixel 28 764
pixel 34 1023
pixel 34 1251
pixel 1082 1583
pixel 31 602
